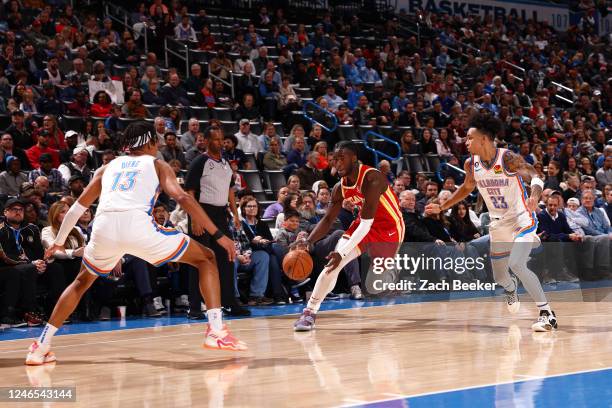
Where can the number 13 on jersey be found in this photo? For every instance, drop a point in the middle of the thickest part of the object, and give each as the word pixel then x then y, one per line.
pixel 124 181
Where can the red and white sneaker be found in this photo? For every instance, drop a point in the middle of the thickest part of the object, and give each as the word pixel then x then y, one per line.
pixel 223 340
pixel 39 354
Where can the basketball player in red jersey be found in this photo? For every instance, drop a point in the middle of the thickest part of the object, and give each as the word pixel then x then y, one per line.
pixel 378 229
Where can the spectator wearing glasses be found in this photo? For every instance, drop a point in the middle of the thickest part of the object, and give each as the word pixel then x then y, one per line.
pixel 248 142
pixel 257 256
pixel 8 148
pixel 22 246
pixel 598 234
pixel 152 95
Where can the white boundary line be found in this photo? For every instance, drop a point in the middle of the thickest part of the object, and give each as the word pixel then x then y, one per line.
pixel 471 387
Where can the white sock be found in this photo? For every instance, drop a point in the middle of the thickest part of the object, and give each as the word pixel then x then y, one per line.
pixel 545 306
pixel 215 319
pixel 47 334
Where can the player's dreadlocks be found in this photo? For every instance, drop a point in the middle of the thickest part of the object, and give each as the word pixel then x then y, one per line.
pixel 487 124
pixel 136 135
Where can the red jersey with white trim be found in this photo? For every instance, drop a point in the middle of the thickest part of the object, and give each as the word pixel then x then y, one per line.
pixel 388 225
pixel 503 191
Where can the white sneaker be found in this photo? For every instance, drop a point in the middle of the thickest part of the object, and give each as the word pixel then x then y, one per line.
pixel 356 293
pixel 158 304
pixel 39 354
pixel 546 322
pixel 203 307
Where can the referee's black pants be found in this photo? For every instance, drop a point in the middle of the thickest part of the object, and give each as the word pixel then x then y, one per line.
pixel 219 217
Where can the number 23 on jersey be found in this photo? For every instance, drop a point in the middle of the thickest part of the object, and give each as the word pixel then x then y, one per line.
pixel 124 181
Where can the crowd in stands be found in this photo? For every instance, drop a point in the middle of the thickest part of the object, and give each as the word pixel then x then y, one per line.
pixel 551 90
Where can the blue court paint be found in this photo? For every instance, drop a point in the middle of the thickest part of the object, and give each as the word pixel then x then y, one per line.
pixel 586 389
pixel 291 309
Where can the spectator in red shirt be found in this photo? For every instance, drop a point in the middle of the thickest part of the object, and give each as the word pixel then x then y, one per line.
pixel 56 136
pixel 208 94
pixel 79 107
pixel 102 105
pixel 41 147
pixel 207 41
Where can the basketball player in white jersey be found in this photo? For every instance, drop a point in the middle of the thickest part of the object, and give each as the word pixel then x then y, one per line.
pixel 499 175
pixel 128 187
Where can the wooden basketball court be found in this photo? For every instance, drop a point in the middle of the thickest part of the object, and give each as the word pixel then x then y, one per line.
pixel 394 355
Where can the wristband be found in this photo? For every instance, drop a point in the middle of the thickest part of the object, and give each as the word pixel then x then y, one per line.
pixel 217 235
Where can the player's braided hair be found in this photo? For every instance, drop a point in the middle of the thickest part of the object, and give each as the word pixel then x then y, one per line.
pixel 487 124
pixel 137 134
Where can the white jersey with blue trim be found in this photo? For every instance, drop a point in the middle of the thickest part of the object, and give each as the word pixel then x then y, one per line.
pixel 129 183
pixel 503 191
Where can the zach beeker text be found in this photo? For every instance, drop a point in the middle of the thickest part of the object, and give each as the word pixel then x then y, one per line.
pixel 426 285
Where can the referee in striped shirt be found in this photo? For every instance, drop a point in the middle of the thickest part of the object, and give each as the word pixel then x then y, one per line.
pixel 210 181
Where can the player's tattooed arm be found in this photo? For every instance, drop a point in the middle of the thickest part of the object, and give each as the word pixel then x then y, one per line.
pixel 460 194
pixel 515 163
pixel 323 226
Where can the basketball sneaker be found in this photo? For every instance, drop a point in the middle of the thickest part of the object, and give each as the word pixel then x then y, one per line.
pixel 39 354
pixel 512 299
pixel 356 293
pixel 223 340
pixel 546 322
pixel 306 322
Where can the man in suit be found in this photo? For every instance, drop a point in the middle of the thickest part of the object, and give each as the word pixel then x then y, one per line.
pixel 555 232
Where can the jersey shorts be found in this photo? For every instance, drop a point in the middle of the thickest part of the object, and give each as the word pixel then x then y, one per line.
pixel 116 234
pixel 382 240
pixel 503 233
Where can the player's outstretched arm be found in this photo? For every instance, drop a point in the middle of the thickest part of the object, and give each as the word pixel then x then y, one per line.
pixel 516 164
pixel 167 180
pixel 87 198
pixel 322 228
pixel 459 195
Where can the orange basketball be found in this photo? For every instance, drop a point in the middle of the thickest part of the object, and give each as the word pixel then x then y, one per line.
pixel 297 264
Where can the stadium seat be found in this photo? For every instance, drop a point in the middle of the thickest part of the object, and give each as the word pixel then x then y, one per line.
pixel 252 162
pixel 346 132
pixel 433 162
pixel 271 222
pixel 153 109
pixel 363 129
pixel 125 122
pixel 387 131
pixel 200 112
pixel 415 163
pixel 198 56
pixel 252 179
pixel 229 127
pixel 256 128
pixel 280 131
pixel 223 114
pixel 76 123
pixel 5 121
pixel 275 180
